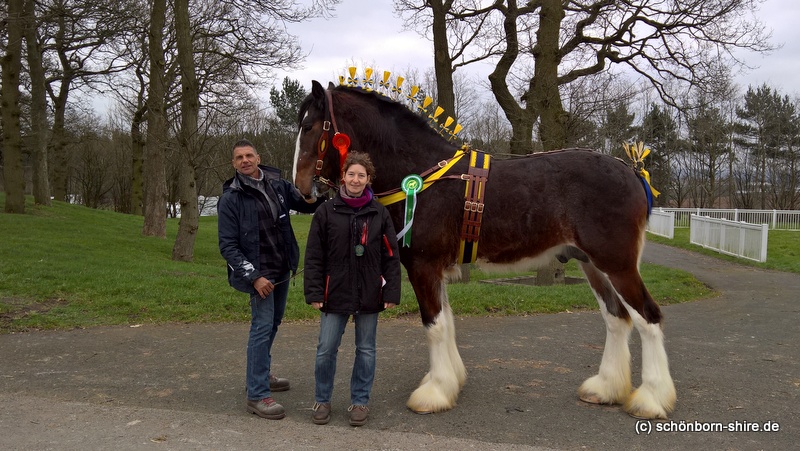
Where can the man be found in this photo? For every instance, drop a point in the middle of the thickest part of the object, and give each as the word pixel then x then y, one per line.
pixel 258 243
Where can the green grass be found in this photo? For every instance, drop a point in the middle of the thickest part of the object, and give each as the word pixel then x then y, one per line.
pixel 69 266
pixel 783 249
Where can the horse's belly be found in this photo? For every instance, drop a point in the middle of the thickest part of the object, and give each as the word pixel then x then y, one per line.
pixel 500 262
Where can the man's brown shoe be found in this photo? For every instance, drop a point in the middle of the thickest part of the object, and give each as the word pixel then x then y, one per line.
pixel 278 383
pixel 358 415
pixel 322 413
pixel 266 408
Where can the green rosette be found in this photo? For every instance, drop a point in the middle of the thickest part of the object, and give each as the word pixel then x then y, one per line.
pixel 410 185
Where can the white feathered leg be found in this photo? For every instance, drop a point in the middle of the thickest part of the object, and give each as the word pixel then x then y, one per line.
pixel 656 397
pixel 612 383
pixel 438 390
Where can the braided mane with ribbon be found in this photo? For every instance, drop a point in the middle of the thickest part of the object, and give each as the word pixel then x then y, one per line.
pixel 637 152
pixel 415 98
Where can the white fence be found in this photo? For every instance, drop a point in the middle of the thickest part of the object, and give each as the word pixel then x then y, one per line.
pixel 777 219
pixel 739 239
pixel 662 223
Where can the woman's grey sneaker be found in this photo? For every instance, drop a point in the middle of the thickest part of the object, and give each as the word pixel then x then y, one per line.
pixel 358 415
pixel 266 408
pixel 322 413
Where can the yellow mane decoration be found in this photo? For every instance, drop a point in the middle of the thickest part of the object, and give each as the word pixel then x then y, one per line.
pixel 414 99
pixel 637 152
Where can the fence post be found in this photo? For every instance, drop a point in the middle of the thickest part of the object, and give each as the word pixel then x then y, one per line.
pixel 742 234
pixel 671 225
pixel 764 232
pixel 774 219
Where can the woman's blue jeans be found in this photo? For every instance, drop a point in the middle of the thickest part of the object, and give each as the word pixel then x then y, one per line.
pixel 331 329
pixel 267 314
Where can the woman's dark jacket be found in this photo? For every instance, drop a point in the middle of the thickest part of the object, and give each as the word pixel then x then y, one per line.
pixel 334 275
pixel 238 220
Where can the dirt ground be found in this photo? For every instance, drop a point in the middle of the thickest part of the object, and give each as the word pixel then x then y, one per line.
pixel 734 359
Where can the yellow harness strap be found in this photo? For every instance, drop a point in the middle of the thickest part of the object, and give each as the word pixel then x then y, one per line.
pixel 476 180
pixel 443 167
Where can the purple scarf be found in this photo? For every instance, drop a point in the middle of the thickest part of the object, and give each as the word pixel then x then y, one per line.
pixel 356 202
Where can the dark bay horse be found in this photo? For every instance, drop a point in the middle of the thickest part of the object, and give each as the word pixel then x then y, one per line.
pixel 565 204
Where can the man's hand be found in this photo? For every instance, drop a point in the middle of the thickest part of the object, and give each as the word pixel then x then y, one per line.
pixel 316 305
pixel 263 286
pixel 388 305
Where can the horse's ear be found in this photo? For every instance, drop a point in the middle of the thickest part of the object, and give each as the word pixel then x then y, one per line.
pixel 316 90
pixel 331 85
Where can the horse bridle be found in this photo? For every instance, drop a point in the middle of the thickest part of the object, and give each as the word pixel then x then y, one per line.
pixel 340 141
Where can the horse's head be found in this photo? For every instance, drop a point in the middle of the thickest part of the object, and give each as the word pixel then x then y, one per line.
pixel 399 141
pixel 317 160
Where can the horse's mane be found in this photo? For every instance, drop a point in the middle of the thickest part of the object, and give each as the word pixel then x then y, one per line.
pixel 403 114
pixel 410 106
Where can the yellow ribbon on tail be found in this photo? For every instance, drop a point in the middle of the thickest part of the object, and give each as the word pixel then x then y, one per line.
pixel 637 152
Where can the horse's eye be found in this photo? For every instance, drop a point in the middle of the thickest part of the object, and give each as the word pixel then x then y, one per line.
pixel 306 126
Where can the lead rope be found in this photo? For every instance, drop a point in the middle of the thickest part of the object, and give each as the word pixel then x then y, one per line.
pixel 290 277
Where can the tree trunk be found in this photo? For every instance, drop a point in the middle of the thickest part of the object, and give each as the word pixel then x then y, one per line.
pixel 521 119
pixel 137 156
pixel 60 159
pixel 183 249
pixel 11 64
pixel 544 88
pixel 39 125
pixel 552 274
pixel 154 184
pixel 547 98
pixel 522 134
pixel 58 146
pixel 442 65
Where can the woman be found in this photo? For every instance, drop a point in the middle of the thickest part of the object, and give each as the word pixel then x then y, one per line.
pixel 351 268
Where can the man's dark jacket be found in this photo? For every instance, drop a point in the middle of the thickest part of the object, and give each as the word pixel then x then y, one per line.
pixel 238 221
pixel 334 275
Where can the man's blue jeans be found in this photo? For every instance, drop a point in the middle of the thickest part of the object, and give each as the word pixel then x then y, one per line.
pixel 330 337
pixel 267 314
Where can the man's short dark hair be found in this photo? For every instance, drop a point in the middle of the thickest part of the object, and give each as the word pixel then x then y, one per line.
pixel 243 143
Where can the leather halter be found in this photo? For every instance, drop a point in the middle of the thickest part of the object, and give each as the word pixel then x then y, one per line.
pixel 340 141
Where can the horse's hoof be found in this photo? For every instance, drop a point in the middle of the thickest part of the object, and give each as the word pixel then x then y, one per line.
pixel 644 411
pixel 591 399
pixel 421 412
pixel 641 415
pixel 644 403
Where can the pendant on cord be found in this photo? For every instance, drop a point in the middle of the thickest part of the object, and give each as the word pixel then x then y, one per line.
pixel 360 247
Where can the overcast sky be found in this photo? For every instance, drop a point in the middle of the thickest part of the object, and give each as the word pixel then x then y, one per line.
pixel 366 32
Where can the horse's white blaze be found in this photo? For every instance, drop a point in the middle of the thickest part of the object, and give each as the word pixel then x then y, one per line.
pixel 439 388
pixel 612 383
pixel 656 397
pixel 297 151
pixel 296 156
